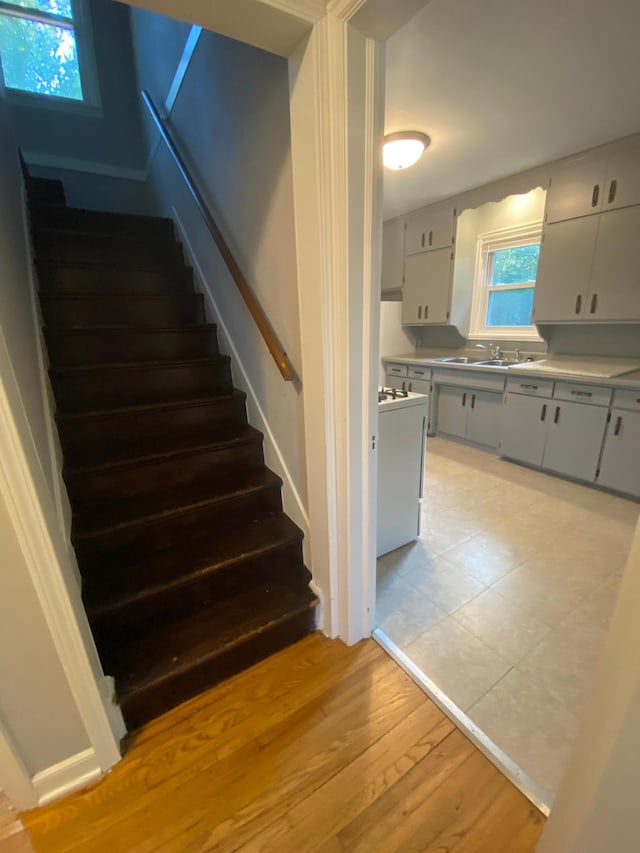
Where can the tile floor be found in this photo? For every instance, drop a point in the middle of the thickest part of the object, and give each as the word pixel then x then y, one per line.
pixel 505 599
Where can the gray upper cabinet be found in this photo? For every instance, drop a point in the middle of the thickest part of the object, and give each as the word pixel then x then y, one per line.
pixel 614 292
pixel 427 230
pixel 564 270
pixel 392 255
pixel 426 293
pixel 575 191
pixel 622 185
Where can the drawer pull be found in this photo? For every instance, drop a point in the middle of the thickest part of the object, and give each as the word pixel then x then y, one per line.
pixel 543 413
pixel 612 191
pixel 464 399
pixel 529 387
pixel 578 303
pixel 419 372
pixel 618 426
pixel 396 370
pixel 556 417
pixel 595 195
pixel 582 393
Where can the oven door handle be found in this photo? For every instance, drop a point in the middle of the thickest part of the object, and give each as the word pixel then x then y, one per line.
pixel 423 457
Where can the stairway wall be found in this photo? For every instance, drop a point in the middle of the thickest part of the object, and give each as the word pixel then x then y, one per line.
pixel 36 704
pixel 231 119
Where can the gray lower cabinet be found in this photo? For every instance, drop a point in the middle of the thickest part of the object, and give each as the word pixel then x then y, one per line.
pixel 524 428
pixel 470 414
pixel 574 439
pixel 620 465
pixel 557 435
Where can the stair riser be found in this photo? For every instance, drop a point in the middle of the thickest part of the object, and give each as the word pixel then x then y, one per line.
pixel 82 350
pixel 167 531
pixel 110 627
pixel 46 191
pixel 128 387
pixel 150 703
pixel 60 278
pixel 117 311
pixel 150 477
pixel 121 436
pixel 86 248
pixel 71 219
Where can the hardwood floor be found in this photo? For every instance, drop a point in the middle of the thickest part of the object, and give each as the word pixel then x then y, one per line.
pixel 13 838
pixel 318 748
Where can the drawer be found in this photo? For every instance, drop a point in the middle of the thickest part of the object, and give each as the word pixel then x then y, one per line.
pixel 594 394
pixel 534 387
pixel 419 372
pixel 482 380
pixel 627 399
pixel 393 369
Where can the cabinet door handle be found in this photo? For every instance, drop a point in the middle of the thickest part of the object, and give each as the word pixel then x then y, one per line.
pixel 618 426
pixel 431 238
pixel 543 413
pixel 426 311
pixel 595 195
pixel 464 399
pixel 613 186
pixel 410 386
pixel 422 239
pixel 419 312
pixel 578 303
pixel 473 401
pixel 594 303
pixel 556 417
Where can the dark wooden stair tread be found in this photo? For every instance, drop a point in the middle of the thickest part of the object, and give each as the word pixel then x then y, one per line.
pixel 207 555
pixel 41 210
pixel 179 501
pixel 121 295
pixel 92 414
pixel 74 370
pixel 88 266
pixel 232 439
pixel 171 648
pixel 203 328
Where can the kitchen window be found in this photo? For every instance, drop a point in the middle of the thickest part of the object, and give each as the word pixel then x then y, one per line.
pixel 45 52
pixel 505 279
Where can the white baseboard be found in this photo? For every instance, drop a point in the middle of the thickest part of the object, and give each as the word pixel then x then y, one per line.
pixel 293 504
pixel 66 776
pixel 315 589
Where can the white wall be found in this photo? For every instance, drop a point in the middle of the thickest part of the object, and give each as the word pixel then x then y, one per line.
pixel 394 338
pixel 231 121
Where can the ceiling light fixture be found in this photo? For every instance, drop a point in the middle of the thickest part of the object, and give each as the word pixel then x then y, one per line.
pixel 403 149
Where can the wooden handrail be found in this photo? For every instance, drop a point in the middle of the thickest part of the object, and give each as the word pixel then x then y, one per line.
pixel 255 309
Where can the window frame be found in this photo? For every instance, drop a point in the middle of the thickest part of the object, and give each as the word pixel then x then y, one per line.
pixel 487 243
pixel 80 22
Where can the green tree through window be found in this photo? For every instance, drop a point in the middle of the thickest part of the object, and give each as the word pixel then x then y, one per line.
pixel 38 48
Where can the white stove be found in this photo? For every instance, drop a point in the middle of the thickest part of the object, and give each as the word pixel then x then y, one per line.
pixel 402 434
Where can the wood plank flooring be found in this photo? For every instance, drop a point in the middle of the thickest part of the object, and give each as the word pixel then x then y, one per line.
pixel 319 748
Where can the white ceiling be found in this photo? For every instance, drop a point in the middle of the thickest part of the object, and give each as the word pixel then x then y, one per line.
pixel 504 85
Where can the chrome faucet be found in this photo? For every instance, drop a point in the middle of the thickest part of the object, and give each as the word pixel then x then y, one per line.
pixel 517 354
pixel 494 352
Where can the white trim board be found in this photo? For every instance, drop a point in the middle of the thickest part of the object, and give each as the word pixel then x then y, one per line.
pixel 66 776
pixel 74 164
pixel 14 777
pixel 293 502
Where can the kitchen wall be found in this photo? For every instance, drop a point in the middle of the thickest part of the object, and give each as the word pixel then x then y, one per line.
pixel 81 145
pixel 231 121
pixel 394 337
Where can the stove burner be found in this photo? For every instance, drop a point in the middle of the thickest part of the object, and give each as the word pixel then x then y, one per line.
pixel 391 393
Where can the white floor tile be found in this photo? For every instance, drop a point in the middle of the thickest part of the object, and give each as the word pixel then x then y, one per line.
pixel 444 584
pixel 457 662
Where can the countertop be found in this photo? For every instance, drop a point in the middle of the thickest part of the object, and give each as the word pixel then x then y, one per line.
pixel 628 380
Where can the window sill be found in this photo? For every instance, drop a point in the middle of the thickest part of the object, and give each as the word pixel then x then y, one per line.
pixel 32 100
pixel 505 334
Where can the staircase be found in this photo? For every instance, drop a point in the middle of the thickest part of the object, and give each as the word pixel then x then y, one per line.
pixel 190 570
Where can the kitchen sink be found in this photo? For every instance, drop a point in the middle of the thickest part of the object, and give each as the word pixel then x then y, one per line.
pixel 465 359
pixel 498 362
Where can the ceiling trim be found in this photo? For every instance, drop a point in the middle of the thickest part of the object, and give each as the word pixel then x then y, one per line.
pixel 310 11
